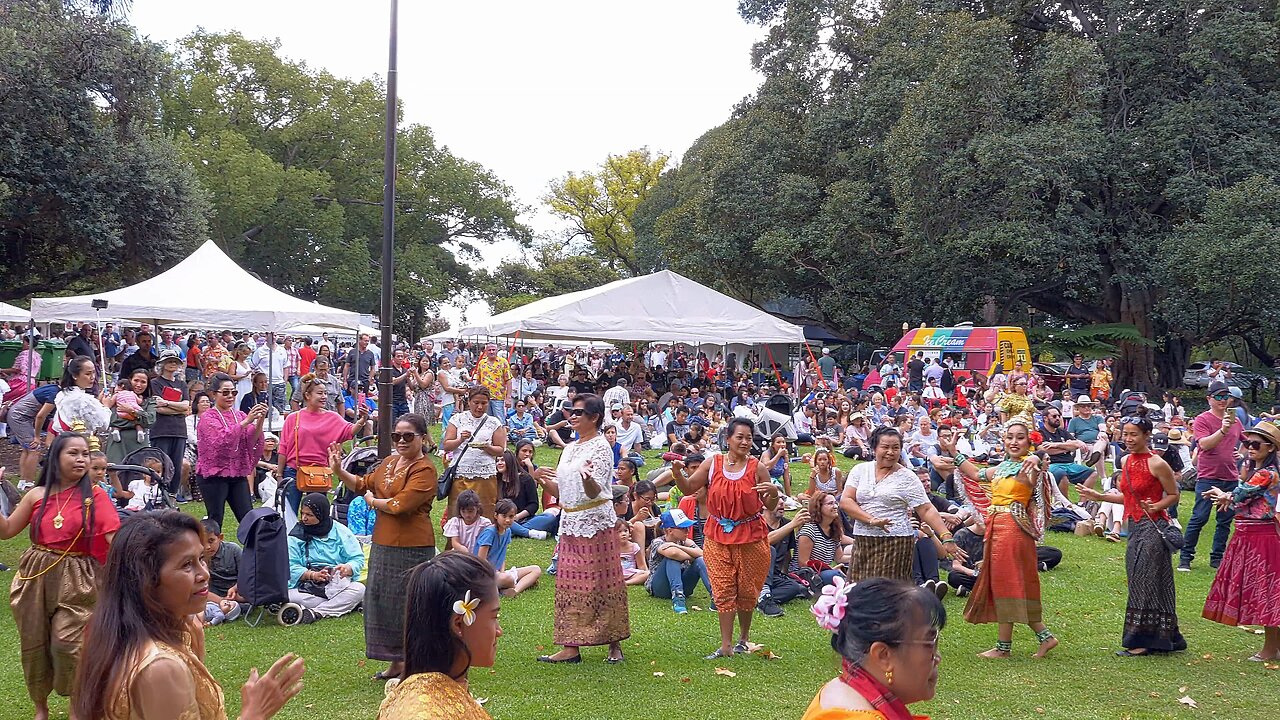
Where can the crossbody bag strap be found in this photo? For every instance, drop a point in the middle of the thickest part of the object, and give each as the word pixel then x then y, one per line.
pixel 297 437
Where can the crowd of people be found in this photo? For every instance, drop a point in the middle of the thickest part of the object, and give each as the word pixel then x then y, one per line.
pixel 960 478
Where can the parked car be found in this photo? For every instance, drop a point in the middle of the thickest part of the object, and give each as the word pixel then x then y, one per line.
pixel 1240 376
pixel 1052 375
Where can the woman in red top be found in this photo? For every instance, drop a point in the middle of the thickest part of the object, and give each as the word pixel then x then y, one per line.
pixel 72 523
pixel 1146 488
pixel 736 548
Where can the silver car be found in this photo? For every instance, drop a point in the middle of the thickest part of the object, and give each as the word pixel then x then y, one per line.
pixel 1240 376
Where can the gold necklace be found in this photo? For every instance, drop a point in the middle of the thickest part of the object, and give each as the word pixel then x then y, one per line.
pixel 58 519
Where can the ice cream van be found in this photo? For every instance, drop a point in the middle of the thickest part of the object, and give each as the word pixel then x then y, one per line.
pixel 971 349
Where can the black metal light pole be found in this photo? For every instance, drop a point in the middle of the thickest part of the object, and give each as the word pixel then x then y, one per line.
pixel 386 416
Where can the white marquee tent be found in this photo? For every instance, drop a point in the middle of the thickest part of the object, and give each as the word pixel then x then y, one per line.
pixel 206 290
pixel 661 307
pixel 13 314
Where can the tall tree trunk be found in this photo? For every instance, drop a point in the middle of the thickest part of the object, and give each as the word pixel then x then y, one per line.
pixel 1173 354
pixel 1257 345
pixel 1136 368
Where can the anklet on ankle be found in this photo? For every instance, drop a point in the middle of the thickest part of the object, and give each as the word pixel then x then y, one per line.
pixel 1004 645
pixel 1044 635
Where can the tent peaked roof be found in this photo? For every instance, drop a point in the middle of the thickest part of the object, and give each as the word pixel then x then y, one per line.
pixel 12 313
pixel 661 307
pixel 208 289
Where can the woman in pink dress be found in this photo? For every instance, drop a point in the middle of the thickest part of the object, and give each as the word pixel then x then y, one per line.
pixel 22 376
pixel 1246 590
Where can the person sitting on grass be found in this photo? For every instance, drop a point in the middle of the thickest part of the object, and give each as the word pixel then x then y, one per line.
pixel 635 570
pixel 492 544
pixel 642 513
pixel 324 560
pixel 676 563
pixel 223 560
pixel 781 586
pixel 821 542
pixel 522 491
pixel 462 529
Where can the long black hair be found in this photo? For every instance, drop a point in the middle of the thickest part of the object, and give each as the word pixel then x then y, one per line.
pixel 434 586
pixel 509 481
pixel 128 613
pixel 882 432
pixel 885 611
pixel 49 479
pixel 73 368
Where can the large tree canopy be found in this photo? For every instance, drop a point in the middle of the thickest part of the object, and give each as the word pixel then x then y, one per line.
pixel 92 193
pixel 913 159
pixel 293 158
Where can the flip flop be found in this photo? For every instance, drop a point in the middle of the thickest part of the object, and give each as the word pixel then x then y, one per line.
pixel 1128 653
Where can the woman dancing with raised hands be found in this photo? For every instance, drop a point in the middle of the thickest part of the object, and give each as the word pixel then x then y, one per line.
pixel 72 523
pixel 1147 488
pixel 1246 590
pixel 737 539
pixel 1013 497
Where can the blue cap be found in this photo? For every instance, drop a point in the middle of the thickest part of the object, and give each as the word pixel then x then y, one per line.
pixel 676 519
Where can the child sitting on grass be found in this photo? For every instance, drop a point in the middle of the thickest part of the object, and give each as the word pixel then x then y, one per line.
pixel 635 570
pixel 676 562
pixel 463 529
pixel 492 545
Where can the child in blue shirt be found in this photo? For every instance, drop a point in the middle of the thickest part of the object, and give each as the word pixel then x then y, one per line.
pixel 492 545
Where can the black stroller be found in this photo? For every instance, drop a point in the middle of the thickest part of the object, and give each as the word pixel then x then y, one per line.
pixel 360 461
pixel 133 468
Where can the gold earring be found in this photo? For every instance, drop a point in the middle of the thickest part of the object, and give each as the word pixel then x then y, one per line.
pixel 888 676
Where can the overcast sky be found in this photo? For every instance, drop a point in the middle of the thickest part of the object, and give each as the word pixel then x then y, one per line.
pixel 531 90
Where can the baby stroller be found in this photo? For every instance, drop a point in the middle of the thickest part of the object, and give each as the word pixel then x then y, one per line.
pixel 263 581
pixel 134 467
pixel 359 462
pixel 774 416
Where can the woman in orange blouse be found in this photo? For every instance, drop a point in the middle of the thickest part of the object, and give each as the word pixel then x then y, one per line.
pixel 400 490
pixel 736 548
pixel 886 632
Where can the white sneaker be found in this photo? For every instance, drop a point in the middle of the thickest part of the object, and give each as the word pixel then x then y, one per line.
pixel 790 504
pixel 25 485
pixel 538 534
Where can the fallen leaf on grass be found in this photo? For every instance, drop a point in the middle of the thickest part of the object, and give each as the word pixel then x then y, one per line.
pixel 1183 690
pixel 1184 700
pixel 659 674
pixel 1156 694
pixel 754 647
pixel 1271 666
pixel 1207 656
pixel 360 663
pixel 685 680
pixel 726 672
pixel 695 608
pixel 1040 710
pixel 768 654
pixel 540 648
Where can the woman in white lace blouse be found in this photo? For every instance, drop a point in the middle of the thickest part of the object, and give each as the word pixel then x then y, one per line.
pixel 591 598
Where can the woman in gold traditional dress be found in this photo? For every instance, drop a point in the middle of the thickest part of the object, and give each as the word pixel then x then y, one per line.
pixel 143 655
pixel 72 522
pixel 451 622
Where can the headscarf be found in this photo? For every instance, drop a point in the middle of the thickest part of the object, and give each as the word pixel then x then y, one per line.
pixel 318 504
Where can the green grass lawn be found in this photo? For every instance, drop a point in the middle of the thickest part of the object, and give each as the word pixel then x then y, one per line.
pixel 1084 602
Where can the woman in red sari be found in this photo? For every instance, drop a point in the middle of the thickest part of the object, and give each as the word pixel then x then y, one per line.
pixel 72 523
pixel 736 549
pixel 886 632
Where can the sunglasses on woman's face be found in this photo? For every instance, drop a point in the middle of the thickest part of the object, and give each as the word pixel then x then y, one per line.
pixel 403 437
pixel 228 393
pixel 1253 444
pixel 577 412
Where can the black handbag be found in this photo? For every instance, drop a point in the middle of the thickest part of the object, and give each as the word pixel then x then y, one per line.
pixel 446 479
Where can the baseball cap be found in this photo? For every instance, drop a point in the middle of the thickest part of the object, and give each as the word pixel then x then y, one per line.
pixel 676 519
pixel 1217 386
pixel 1236 392
pixel 615 405
pixel 169 354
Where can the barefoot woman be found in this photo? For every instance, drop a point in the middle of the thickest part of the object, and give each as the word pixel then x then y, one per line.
pixel 72 523
pixel 1012 496
pixel 737 539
